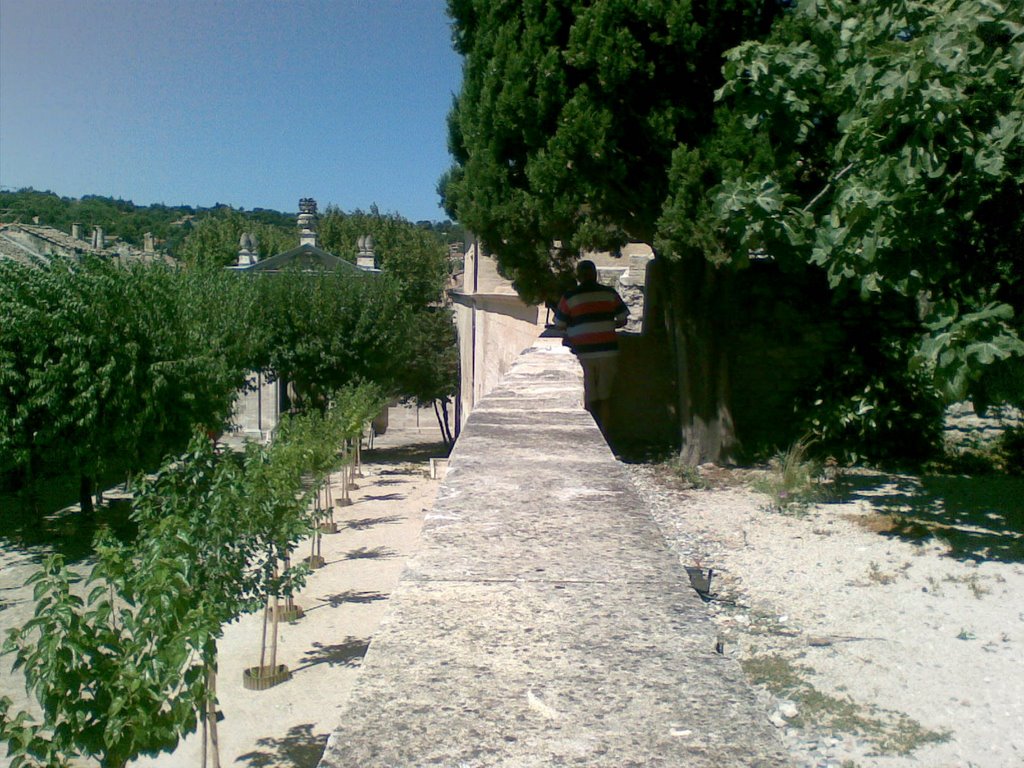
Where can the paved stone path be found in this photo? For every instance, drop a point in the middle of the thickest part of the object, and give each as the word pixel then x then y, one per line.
pixel 544 621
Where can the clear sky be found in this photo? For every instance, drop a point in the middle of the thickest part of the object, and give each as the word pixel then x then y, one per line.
pixel 252 103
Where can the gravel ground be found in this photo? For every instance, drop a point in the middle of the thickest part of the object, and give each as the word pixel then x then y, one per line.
pixel 884 628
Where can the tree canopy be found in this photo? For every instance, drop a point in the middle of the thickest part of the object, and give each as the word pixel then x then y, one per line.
pixel 876 147
pixel 569 114
pixel 214 240
pixel 105 367
pixel 415 256
pixel 893 158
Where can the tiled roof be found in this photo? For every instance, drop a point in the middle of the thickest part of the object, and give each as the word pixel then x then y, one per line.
pixel 304 258
pixel 32 243
pixel 61 239
pixel 15 251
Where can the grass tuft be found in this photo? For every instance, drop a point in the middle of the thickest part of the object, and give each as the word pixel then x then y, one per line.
pixel 793 480
pixel 892 733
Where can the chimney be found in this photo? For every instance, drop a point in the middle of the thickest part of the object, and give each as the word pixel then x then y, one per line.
pixel 366 258
pixel 147 243
pixel 247 255
pixel 76 231
pixel 98 241
pixel 307 222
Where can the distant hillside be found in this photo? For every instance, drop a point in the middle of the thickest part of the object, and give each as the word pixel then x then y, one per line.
pixel 170 225
pixel 119 218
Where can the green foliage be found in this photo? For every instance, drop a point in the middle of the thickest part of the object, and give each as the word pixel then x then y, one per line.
pixel 351 408
pixel 124 671
pixel 793 480
pixel 324 331
pixel 207 236
pixel 1010 450
pixel 568 118
pixel 416 257
pixel 891 141
pixel 109 368
pixel 870 404
pixel 214 240
pixel 974 354
pixel 433 372
pixel 687 475
pixel 881 144
pixel 119 218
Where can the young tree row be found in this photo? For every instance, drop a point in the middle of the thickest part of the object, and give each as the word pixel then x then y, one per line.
pixel 130 668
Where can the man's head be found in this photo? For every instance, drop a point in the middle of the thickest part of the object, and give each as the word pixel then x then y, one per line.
pixel 586 272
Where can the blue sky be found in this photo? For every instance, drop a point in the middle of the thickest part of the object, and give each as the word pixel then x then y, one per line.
pixel 253 103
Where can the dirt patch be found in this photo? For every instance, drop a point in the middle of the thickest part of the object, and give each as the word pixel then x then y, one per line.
pixel 884 627
pixel 286 726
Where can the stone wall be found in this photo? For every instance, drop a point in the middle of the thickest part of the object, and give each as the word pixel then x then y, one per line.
pixel 967 430
pixel 257 410
pixel 543 620
pixel 493 330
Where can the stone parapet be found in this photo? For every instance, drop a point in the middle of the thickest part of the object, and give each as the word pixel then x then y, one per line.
pixel 544 620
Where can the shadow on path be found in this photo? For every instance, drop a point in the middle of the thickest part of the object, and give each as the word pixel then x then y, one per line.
pixel 981 518
pixel 339 599
pixel 348 653
pixel 67 532
pixel 353 596
pixel 419 453
pixel 364 553
pixel 365 523
pixel 300 748
pixel 383 497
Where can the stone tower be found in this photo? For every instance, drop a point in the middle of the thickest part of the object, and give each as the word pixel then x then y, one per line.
pixel 366 258
pixel 307 222
pixel 247 250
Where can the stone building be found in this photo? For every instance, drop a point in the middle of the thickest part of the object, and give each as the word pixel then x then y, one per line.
pixel 258 407
pixel 37 243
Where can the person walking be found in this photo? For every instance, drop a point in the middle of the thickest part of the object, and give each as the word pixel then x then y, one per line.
pixel 590 313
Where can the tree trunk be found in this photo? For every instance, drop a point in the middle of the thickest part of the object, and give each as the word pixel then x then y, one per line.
pixel 266 620
pixel 698 312
pixel 441 414
pixel 449 437
pixel 211 717
pixel 276 620
pixel 85 494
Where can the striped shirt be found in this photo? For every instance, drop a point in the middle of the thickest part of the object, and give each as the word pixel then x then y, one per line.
pixel 591 312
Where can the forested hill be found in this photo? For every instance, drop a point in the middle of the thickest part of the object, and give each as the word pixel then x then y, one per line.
pixel 170 225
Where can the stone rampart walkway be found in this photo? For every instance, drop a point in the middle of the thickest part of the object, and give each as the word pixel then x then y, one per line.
pixel 544 621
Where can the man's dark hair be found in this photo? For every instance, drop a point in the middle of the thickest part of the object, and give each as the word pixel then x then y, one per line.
pixel 586 271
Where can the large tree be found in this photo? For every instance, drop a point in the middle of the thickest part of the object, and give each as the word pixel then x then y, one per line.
pixel 891 141
pixel 563 138
pixel 858 135
pixel 214 241
pixel 416 257
pixel 323 331
pixel 107 368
